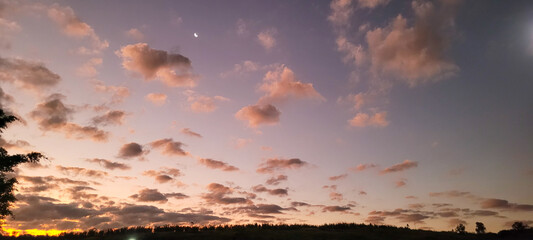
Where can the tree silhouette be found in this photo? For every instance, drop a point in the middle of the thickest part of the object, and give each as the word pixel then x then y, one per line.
pixel 461 229
pixel 7 163
pixel 480 228
pixel 519 226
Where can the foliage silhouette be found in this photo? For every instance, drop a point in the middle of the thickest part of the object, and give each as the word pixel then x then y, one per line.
pixel 519 226
pixel 461 229
pixel 480 228
pixel 7 163
pixel 281 231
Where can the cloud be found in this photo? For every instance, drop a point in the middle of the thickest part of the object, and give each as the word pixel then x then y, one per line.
pixel 88 69
pixel 379 119
pixel 153 195
pixel 335 196
pixel 245 67
pixel 164 175
pixel 109 164
pixel 281 84
pixel 215 164
pixel 76 171
pixel 158 99
pixel 406 164
pixel 257 115
pixel 203 104
pixel 400 183
pixel 27 74
pixel 35 208
pixel 456 221
pixel 276 180
pixel 415 54
pixel 338 177
pixel 372 3
pixel 218 194
pixel 341 11
pixel 452 193
pixel 402 215
pixel 7 27
pixel 239 143
pixel 53 115
pixel 131 150
pixel 114 117
pixel 275 192
pixel 174 70
pixel 504 204
pixel 72 26
pixel 267 38
pixel 118 93
pixel 362 167
pixel 335 209
pixel 189 132
pixel 135 34
pixel 378 220
pixel 169 147
pixel 275 164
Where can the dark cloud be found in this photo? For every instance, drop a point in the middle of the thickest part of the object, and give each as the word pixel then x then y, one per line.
pixel 264 209
pixel 274 164
pixel 257 115
pixel 153 195
pixel 35 208
pixel 403 215
pixel 109 164
pixel 164 175
pixel 299 204
pixel 110 118
pixel 77 171
pixel 215 164
pixel 276 192
pixel 218 194
pixel 338 177
pixel 276 180
pixel 54 115
pixel 191 133
pixel 452 194
pixel 27 74
pixel 131 150
pixel 335 209
pixel 169 147
pixel 400 167
pixel 504 204
pixel 172 69
pixel 379 220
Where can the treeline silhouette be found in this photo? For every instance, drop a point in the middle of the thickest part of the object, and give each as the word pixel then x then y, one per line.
pixel 277 231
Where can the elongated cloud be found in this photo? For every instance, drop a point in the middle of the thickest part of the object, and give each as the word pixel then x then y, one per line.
pixel 400 167
pixel 215 164
pixel 274 164
pixel 75 171
pixel 169 147
pixel 114 117
pixel 281 84
pixel 257 115
pixel 118 93
pixel 504 204
pixel 218 194
pixel 27 74
pixel 174 70
pixel 363 120
pixel 191 133
pixel 153 195
pixel 72 26
pixel 109 164
pixel 275 192
pixel 338 177
pixel 335 209
pixel 276 180
pixel 362 167
pixel 164 175
pixel 54 115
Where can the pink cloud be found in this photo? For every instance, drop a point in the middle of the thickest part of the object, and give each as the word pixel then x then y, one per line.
pixel 275 164
pixel 281 84
pixel 215 164
pixel 400 167
pixel 257 115
pixel 363 120
pixel 158 99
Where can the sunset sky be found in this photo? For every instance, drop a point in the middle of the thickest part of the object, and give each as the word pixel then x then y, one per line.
pixel 235 112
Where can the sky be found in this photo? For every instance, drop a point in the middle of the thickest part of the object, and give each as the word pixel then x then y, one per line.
pixel 236 112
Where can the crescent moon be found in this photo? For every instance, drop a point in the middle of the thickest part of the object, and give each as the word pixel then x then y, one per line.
pixel 195 35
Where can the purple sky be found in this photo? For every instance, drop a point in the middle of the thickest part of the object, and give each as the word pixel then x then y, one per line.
pixel 217 112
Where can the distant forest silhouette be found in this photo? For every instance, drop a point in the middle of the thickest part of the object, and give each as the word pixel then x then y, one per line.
pixel 283 231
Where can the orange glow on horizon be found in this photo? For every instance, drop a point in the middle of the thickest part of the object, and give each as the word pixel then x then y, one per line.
pixel 37 232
